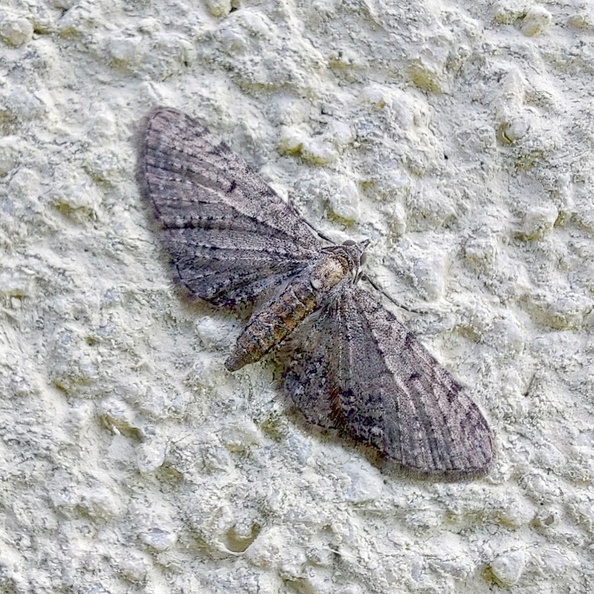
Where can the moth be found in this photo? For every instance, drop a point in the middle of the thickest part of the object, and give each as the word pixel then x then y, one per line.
pixel 346 361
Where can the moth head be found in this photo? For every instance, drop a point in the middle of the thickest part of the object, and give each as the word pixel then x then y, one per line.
pixel 356 251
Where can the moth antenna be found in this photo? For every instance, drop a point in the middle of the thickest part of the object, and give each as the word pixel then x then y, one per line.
pixel 362 276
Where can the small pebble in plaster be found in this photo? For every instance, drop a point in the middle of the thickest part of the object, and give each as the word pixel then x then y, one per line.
pixel 507 568
pixel 15 30
pixel 536 21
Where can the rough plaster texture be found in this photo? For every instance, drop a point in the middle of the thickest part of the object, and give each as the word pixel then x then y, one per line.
pixel 456 135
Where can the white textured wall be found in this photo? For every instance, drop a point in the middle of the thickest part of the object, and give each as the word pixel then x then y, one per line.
pixel 457 135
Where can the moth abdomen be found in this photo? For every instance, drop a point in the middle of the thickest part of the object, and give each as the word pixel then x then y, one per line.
pixel 277 318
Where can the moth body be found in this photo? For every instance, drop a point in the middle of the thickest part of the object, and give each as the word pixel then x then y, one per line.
pixel 301 296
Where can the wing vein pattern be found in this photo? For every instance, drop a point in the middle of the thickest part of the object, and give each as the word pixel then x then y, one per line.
pixel 229 235
pixel 396 398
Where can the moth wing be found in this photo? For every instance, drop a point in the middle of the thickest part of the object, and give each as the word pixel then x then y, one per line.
pixel 230 236
pixel 359 370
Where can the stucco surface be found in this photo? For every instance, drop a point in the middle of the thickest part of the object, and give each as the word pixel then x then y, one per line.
pixel 458 136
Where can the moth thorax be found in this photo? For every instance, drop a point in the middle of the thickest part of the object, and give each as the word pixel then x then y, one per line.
pixel 353 253
pixel 330 271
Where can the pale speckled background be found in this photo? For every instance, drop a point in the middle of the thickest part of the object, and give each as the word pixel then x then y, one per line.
pixel 457 135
